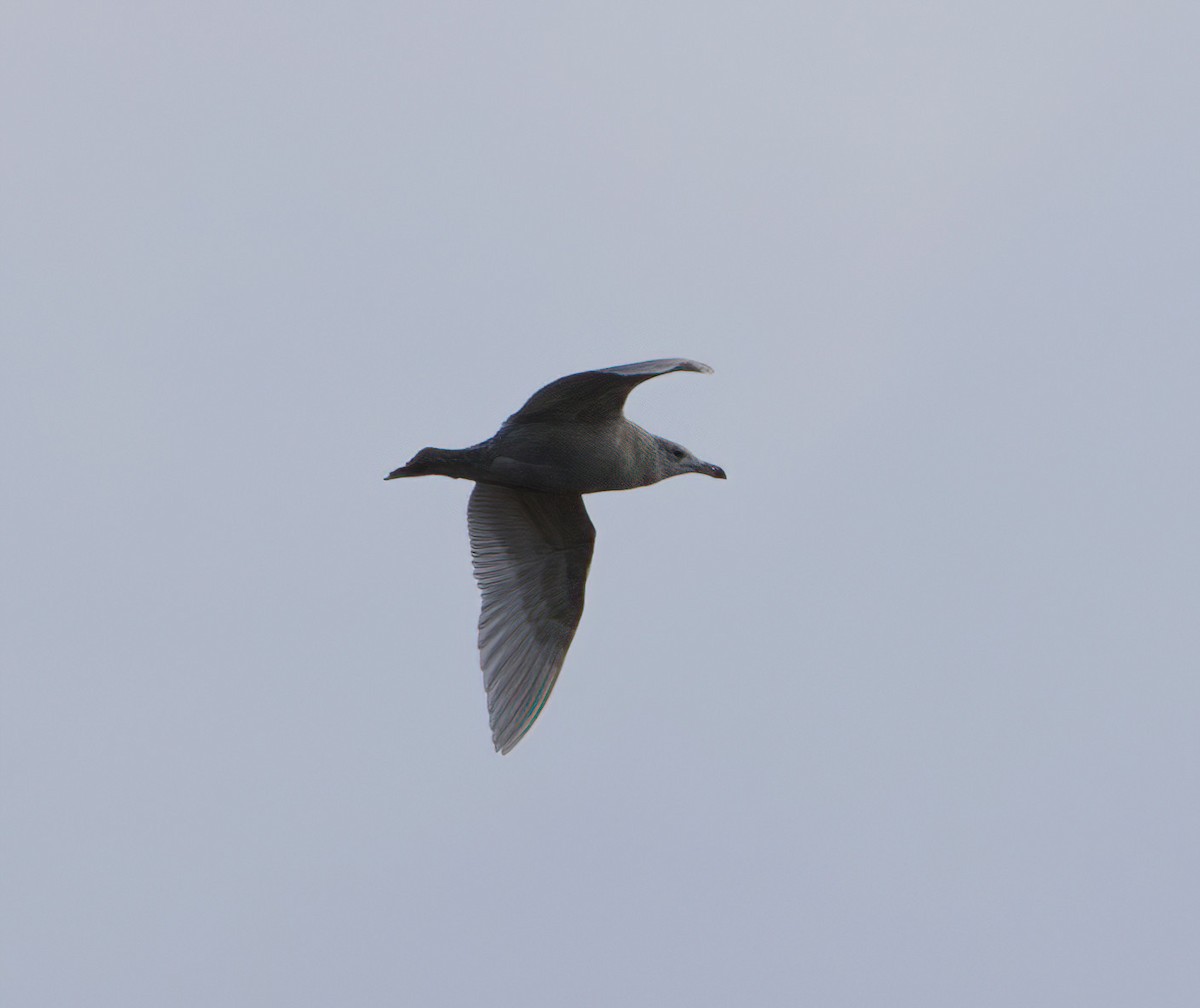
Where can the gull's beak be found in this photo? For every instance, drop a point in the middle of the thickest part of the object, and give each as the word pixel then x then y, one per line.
pixel 715 471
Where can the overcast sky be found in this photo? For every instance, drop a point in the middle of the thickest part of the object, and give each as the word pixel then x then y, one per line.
pixel 905 713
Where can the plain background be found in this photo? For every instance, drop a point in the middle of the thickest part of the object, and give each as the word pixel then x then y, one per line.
pixel 904 713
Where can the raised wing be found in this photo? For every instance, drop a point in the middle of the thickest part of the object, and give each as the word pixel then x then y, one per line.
pixel 597 395
pixel 531 553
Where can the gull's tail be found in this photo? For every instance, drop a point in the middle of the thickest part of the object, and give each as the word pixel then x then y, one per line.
pixel 453 462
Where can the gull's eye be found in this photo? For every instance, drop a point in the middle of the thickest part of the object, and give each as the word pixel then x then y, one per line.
pixel 677 452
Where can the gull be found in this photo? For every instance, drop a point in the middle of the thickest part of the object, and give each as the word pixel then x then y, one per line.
pixel 531 538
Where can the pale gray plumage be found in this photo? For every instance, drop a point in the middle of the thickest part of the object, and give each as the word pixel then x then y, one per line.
pixel 531 538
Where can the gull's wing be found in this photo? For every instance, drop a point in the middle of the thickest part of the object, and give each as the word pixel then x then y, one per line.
pixel 597 395
pixel 531 553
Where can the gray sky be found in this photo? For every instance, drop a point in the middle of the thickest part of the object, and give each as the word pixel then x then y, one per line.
pixel 905 713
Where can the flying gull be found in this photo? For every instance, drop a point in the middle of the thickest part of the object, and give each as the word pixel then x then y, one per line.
pixel 531 538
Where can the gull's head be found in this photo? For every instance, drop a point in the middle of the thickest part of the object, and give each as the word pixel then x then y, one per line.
pixel 677 460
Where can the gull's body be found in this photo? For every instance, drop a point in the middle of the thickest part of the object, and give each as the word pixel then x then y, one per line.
pixel 531 538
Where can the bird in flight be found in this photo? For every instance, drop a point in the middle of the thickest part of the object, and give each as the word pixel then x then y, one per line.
pixel 531 538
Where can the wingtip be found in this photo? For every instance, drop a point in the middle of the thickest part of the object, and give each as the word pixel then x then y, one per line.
pixel 505 738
